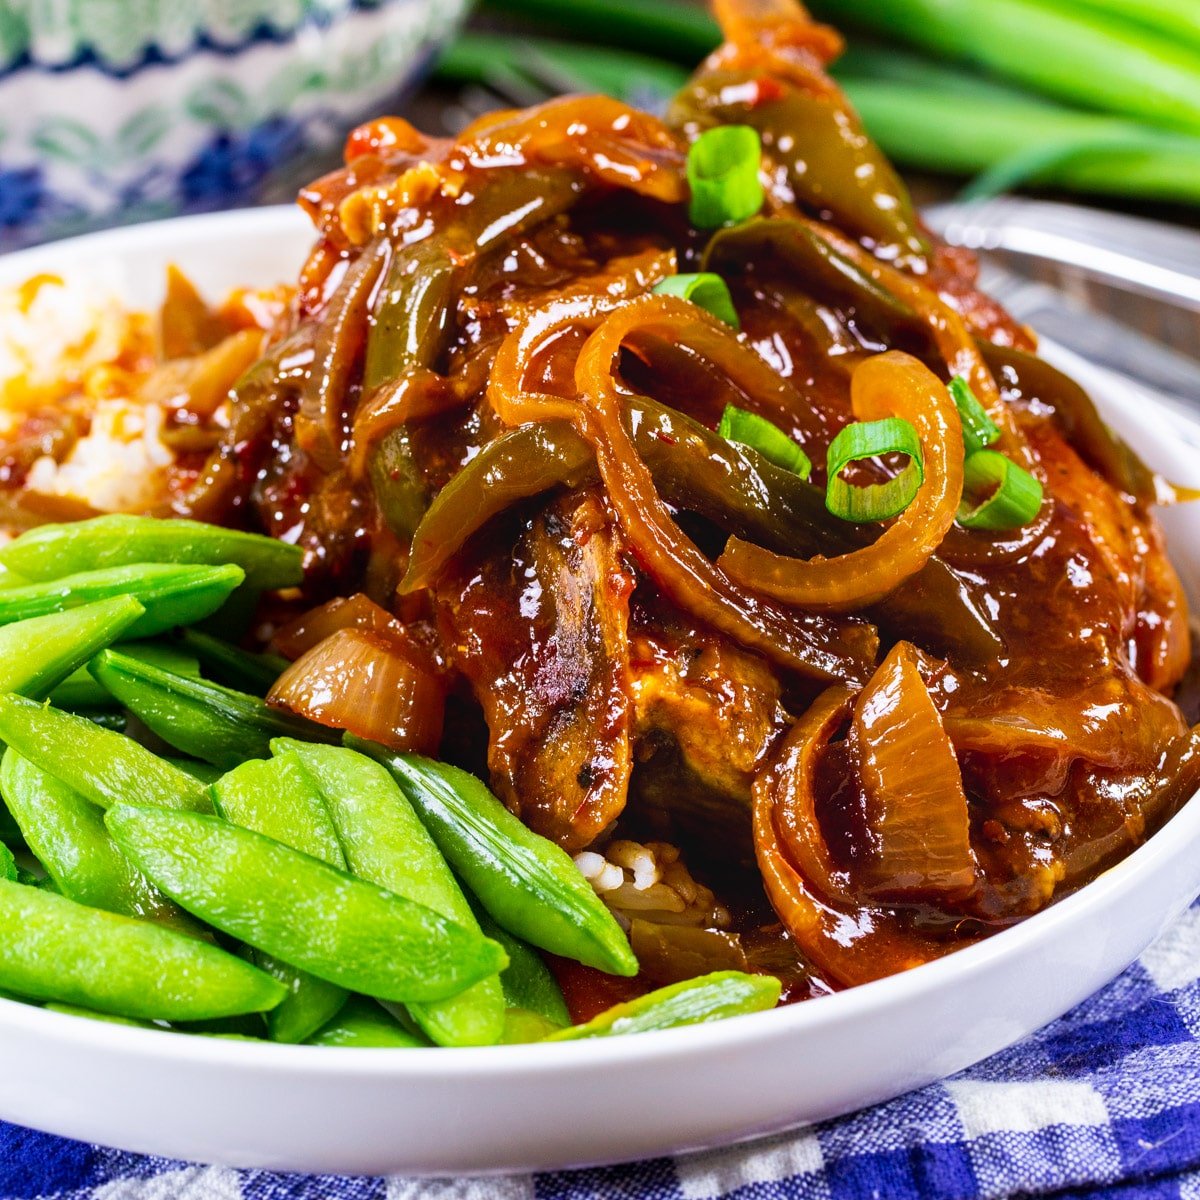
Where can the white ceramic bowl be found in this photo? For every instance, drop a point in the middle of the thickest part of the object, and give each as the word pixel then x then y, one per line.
pixel 540 1107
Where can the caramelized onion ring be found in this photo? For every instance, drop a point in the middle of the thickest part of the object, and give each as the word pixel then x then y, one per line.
pixel 888 385
pixel 802 642
pixel 846 943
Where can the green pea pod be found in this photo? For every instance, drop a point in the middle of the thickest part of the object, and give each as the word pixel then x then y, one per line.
pixel 529 885
pixel 364 1023
pixel 200 718
pixel 80 689
pixel 54 949
pixel 302 910
pixel 276 798
pixel 206 773
pixel 38 654
pixel 8 864
pixel 707 998
pixel 522 1027
pixel 529 987
pixel 385 843
pixel 73 1010
pixel 119 540
pixel 170 595
pixel 66 833
pixel 104 766
pixel 234 667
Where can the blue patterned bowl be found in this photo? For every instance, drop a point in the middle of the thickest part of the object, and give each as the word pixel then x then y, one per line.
pixel 121 110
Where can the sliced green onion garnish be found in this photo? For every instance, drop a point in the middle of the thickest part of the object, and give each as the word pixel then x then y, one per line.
pixel 1012 496
pixel 870 439
pixel 706 290
pixel 749 429
pixel 722 171
pixel 978 428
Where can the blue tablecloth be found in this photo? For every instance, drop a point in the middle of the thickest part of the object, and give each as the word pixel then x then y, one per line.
pixel 1106 1101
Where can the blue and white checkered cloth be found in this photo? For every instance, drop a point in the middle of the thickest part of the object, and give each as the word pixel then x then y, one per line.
pixel 1104 1102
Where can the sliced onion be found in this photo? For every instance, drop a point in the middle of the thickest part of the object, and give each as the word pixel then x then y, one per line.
pixel 888 385
pixel 367 685
pixel 916 803
pixel 346 612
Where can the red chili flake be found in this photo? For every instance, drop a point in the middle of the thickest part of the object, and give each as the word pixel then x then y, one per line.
pixel 766 90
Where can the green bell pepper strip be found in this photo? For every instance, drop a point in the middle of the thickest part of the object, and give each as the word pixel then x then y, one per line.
pixel 66 833
pixel 528 884
pixel 119 540
pixel 277 799
pixel 202 719
pixel 385 843
pixel 54 949
pixel 80 689
pixel 818 140
pixel 696 470
pixel 37 654
pixel 170 595
pixel 232 666
pixel 104 766
pixel 301 910
pixel 693 1002
pixel 365 1024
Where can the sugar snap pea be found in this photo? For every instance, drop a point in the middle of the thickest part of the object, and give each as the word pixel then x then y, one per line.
pixel 54 949
pixel 302 910
pixel 80 689
pixel 385 843
pixel 708 998
pixel 37 654
pixel 171 595
pixel 528 884
pixel 529 988
pixel 363 1022
pixel 118 540
pixel 275 797
pixel 203 719
pixel 8 864
pixel 67 835
pixel 104 766
pixel 232 666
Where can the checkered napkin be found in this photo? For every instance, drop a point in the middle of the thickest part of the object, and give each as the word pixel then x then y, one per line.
pixel 1105 1101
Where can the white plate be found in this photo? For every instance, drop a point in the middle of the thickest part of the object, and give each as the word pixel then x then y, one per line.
pixel 540 1107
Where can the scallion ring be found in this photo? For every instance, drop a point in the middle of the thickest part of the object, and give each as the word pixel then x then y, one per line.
pixel 978 429
pixel 704 289
pixel 722 171
pixel 1012 497
pixel 871 439
pixel 749 429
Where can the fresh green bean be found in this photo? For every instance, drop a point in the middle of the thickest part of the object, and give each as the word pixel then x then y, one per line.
pixel 118 540
pixel 170 595
pixel 364 1023
pixel 106 767
pixel 302 910
pixel 276 798
pixel 385 843
pixel 54 949
pixel 707 998
pixel 36 655
pixel 528 884
pixel 232 666
pixel 67 836
pixel 203 719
